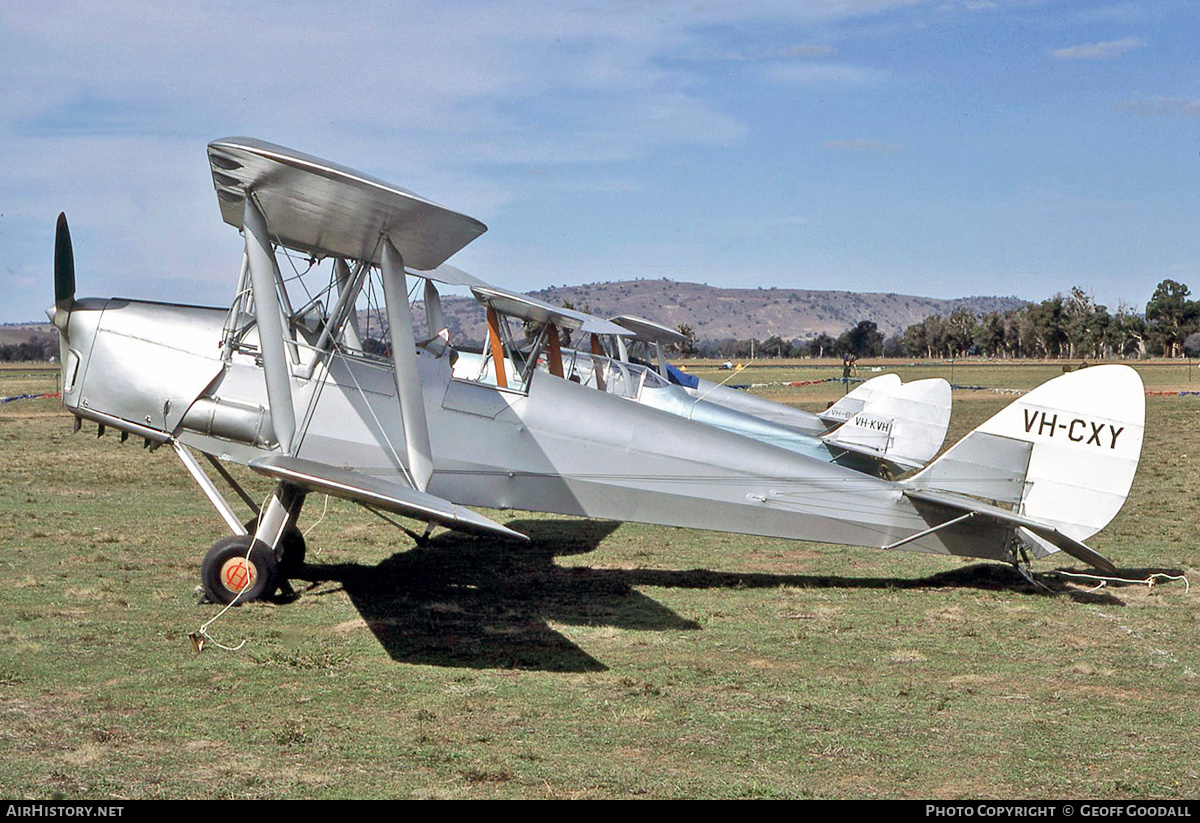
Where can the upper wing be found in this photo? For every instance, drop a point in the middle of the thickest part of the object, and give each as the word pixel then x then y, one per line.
pixel 449 275
pixel 648 330
pixel 321 208
pixel 530 308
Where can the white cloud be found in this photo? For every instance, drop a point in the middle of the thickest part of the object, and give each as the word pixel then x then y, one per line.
pixel 803 52
pixel 1106 50
pixel 825 74
pixel 970 5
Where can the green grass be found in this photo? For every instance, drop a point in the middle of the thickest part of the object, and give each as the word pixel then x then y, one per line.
pixel 603 660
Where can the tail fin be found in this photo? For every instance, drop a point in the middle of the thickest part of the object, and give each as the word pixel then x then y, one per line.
pixel 1061 458
pixel 904 427
pixel 864 393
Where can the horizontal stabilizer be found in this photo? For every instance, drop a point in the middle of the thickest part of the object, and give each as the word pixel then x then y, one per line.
pixel 380 494
pixel 1022 525
pixel 864 433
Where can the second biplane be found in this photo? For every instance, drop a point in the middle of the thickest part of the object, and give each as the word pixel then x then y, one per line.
pixel 882 427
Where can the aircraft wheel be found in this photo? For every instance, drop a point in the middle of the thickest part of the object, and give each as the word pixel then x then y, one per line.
pixel 291 552
pixel 226 571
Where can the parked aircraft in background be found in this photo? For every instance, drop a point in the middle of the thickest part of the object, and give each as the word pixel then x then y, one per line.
pixel 881 428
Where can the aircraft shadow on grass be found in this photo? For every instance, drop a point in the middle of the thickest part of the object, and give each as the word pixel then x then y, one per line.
pixel 471 602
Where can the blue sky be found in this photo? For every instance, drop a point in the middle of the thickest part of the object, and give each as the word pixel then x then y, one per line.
pixel 946 149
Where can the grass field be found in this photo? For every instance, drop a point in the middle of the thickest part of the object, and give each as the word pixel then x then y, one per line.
pixel 603 660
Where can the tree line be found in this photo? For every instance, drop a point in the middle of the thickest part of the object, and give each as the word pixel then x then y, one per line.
pixel 1069 326
pixel 864 340
pixel 33 349
pixel 1072 326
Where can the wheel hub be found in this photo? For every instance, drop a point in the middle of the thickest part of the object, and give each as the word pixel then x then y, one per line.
pixel 238 574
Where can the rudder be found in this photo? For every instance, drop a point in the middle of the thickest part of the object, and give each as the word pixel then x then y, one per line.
pixel 1064 455
pixel 904 427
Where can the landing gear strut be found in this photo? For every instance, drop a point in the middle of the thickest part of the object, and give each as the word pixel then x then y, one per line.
pixel 291 552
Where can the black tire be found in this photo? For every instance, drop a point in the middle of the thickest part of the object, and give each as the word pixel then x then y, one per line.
pixel 291 552
pixel 225 570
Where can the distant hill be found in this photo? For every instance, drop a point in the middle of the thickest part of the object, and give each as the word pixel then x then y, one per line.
pixel 27 341
pixel 713 312
pixel 717 313
pixel 12 334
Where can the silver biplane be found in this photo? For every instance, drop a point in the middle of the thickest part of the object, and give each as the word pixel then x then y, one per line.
pixel 925 403
pixel 295 387
pixel 882 428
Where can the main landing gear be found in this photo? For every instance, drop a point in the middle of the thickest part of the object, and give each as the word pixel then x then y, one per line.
pixel 256 563
pixel 231 566
pixel 261 556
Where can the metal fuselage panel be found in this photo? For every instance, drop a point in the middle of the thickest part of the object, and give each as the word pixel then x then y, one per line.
pixel 563 447
pixel 769 410
pixel 145 363
pixel 676 400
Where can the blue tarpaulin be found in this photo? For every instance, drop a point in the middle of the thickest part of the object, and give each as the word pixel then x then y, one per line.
pixel 682 378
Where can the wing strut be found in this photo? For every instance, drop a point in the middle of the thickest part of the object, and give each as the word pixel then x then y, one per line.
pixel 264 274
pixel 210 490
pixel 349 285
pixel 434 318
pixel 341 316
pixel 555 351
pixel 404 358
pixel 598 350
pixel 662 358
pixel 497 348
